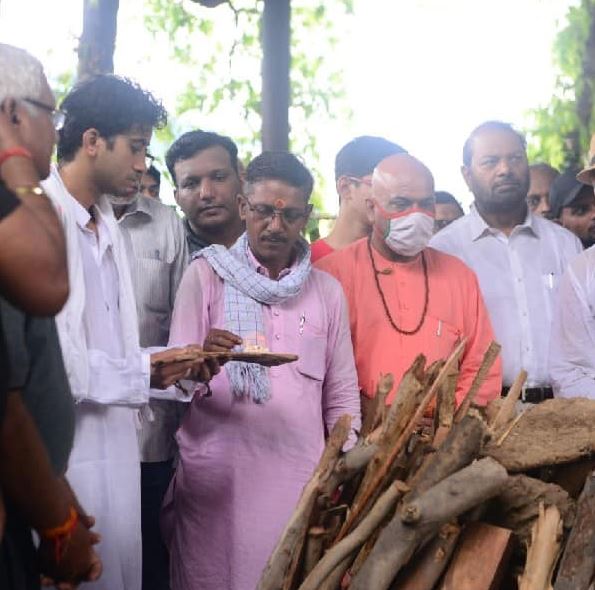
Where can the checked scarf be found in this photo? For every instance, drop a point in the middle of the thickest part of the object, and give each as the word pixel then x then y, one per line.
pixel 245 292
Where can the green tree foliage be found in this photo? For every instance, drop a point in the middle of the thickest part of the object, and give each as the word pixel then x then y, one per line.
pixel 559 132
pixel 220 52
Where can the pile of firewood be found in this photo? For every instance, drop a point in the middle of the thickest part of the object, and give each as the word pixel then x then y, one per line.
pixel 464 500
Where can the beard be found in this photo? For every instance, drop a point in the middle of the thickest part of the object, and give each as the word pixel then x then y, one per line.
pixel 122 201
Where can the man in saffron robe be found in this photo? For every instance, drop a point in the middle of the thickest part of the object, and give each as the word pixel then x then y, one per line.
pixel 247 450
pixel 405 298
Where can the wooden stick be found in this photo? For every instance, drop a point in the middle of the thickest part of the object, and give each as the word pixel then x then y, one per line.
pixel 375 416
pixel 489 358
pixel 425 571
pixel 543 551
pixel 577 567
pixel 314 545
pixel 422 517
pixel 292 539
pixel 355 539
pixel 508 430
pixel 508 408
pixel 384 468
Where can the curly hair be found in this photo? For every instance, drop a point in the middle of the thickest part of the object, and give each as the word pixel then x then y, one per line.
pixel 282 166
pixel 110 104
pixel 192 142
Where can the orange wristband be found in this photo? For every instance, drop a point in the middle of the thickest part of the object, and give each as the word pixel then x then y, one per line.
pixel 60 535
pixel 13 152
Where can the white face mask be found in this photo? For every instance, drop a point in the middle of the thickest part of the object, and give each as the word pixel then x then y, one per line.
pixel 409 234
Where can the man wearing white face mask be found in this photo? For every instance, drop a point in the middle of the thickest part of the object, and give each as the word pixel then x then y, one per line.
pixel 406 298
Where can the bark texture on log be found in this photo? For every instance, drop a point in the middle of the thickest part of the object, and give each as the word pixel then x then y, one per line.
pixel 552 432
pixel 422 517
pixel 543 551
pixel 577 567
pixel 283 558
pixel 517 506
pixel 425 569
pixel 480 559
pixel 507 409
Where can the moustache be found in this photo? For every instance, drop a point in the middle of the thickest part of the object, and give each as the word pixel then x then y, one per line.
pixel 275 238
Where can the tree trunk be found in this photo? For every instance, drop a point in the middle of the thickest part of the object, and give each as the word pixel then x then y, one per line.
pixel 98 41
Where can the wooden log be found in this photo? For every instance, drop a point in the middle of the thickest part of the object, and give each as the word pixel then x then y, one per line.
pixel 422 517
pixel 577 568
pixel 282 560
pixel 426 569
pixel 480 559
pixel 314 546
pixel 489 358
pixel 376 412
pixel 445 408
pixel 517 506
pixel 390 454
pixel 553 432
pixel 507 409
pixel 543 551
pixel 355 539
pixel 462 445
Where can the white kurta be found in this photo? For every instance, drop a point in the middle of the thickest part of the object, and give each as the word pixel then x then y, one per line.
pixel 104 465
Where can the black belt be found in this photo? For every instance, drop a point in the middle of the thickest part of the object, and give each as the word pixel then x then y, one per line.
pixel 532 395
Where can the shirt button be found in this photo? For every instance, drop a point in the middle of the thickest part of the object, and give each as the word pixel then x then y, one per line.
pixel 276 312
pixel 277 337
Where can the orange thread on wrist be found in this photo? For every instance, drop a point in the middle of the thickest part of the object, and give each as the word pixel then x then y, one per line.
pixel 60 535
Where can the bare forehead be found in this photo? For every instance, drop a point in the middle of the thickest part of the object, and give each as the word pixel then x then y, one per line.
pixel 402 176
pixel 204 162
pixel 271 190
pixel 496 142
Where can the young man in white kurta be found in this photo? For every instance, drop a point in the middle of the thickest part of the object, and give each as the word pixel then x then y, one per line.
pixel 102 150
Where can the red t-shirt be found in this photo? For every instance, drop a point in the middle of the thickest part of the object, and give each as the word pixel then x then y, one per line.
pixel 320 249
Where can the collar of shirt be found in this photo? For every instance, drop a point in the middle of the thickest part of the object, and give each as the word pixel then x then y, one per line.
pixel 263 270
pixel 195 242
pixel 103 240
pixel 138 206
pixel 480 229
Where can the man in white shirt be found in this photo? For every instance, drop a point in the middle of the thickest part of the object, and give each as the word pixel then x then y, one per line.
pixel 102 150
pixel 572 353
pixel 518 256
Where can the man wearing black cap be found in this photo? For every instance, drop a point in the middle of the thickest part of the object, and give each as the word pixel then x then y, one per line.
pixel 354 165
pixel 572 350
pixel 572 205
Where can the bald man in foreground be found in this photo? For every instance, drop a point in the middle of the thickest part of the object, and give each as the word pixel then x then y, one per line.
pixel 405 298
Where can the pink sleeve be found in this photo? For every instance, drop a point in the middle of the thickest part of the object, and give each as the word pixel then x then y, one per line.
pixel 479 334
pixel 190 317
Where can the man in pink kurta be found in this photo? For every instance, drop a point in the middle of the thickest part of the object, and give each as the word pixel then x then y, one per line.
pixel 243 459
pixel 407 299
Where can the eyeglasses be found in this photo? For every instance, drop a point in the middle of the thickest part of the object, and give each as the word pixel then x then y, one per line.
pixel 289 215
pixel 58 116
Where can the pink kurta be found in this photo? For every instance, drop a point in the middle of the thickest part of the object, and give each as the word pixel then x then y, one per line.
pixel 243 465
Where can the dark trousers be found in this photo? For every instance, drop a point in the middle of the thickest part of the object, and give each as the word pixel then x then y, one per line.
pixel 155 478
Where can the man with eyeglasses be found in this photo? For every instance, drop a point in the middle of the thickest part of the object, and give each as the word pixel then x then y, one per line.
pixel 247 450
pixel 102 150
pixel 518 256
pixel 404 298
pixel 354 165
pixel 36 409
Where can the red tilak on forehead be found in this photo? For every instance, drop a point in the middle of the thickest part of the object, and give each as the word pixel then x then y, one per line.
pixel 279 203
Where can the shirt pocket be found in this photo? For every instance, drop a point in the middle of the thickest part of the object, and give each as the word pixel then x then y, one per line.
pixel 311 349
pixel 441 338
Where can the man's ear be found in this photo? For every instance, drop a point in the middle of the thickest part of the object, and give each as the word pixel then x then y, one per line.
pixel 370 211
pixel 176 195
pixel 90 141
pixel 466 172
pixel 344 185
pixel 9 107
pixel 243 205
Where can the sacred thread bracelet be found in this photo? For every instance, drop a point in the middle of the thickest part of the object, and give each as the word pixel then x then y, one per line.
pixel 61 534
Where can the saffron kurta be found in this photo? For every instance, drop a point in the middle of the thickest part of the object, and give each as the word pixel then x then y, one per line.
pixel 455 311
pixel 243 465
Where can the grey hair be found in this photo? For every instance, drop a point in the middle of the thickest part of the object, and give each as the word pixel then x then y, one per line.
pixel 21 74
